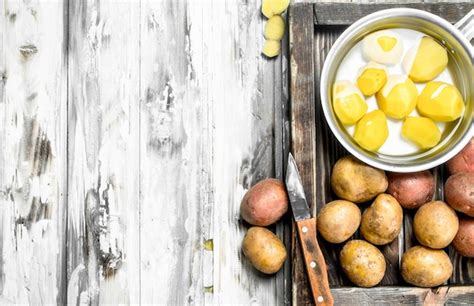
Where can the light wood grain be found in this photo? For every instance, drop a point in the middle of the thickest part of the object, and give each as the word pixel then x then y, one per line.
pixel 103 137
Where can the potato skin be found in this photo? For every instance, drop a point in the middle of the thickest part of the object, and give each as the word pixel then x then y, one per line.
pixel 265 203
pixel 435 225
pixel 363 263
pixel 355 181
pixel 264 250
pixel 463 161
pixel 411 189
pixel 382 221
pixel 459 192
pixel 464 240
pixel 425 267
pixel 338 221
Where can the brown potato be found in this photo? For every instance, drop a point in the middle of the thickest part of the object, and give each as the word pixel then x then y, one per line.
pixel 265 203
pixel 363 263
pixel 435 225
pixel 463 161
pixel 354 181
pixel 411 189
pixel 464 240
pixel 382 221
pixel 338 221
pixel 425 267
pixel 264 249
pixel 459 192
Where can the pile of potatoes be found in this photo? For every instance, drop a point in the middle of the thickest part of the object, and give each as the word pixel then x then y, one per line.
pixel 436 224
pixel 263 205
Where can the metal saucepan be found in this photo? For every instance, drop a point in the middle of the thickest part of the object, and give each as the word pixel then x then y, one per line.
pixel 461 66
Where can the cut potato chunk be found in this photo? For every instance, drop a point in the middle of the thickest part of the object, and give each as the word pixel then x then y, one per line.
pixel 275 28
pixel 421 131
pixel 398 97
pixel 371 131
pixel 348 102
pixel 372 78
pixel 441 102
pixel 426 60
pixel 274 7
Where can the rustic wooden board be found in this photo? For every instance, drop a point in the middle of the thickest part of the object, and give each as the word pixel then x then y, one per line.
pixel 103 230
pixel 32 160
pixel 348 13
pixel 318 150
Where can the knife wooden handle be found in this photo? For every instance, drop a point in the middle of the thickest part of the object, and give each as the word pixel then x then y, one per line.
pixel 314 261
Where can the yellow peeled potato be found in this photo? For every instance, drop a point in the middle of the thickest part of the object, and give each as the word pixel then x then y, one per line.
pixel 274 7
pixel 421 131
pixel 372 78
pixel 271 48
pixel 425 61
pixel 348 102
pixel 371 131
pixel 274 28
pixel 397 99
pixel 441 102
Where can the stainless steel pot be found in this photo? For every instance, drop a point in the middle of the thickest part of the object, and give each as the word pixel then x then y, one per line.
pixel 461 66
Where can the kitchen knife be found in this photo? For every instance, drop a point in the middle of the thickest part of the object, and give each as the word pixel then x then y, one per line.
pixel 314 260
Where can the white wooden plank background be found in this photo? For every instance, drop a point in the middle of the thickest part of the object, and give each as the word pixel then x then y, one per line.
pixel 130 131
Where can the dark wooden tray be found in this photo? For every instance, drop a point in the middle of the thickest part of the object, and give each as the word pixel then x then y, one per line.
pixel 314 27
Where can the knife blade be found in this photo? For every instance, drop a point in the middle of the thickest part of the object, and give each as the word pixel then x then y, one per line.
pixel 306 226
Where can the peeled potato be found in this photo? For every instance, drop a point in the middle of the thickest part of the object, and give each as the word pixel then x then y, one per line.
pixel 435 225
pixel 371 131
pixel 397 99
pixel 338 221
pixel 348 102
pixel 274 28
pixel 425 267
pixel 384 47
pixel 382 221
pixel 274 7
pixel 372 78
pixel 363 263
pixel 421 131
pixel 425 61
pixel 271 48
pixel 264 250
pixel 441 102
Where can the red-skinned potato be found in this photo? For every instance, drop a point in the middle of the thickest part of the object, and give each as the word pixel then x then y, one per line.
pixel 459 192
pixel 464 240
pixel 411 189
pixel 264 203
pixel 463 161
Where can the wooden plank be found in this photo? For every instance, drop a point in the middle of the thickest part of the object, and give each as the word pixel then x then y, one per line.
pixel 462 295
pixel 206 121
pixel 348 13
pixel 103 142
pixel 303 133
pixel 32 163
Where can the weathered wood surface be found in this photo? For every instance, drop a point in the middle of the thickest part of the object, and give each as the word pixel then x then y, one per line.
pixel 130 131
pixel 348 13
pixel 324 152
pixel 33 181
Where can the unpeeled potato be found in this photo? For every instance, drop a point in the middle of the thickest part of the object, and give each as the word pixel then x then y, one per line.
pixel 463 161
pixel 459 192
pixel 355 181
pixel 382 221
pixel 264 203
pixel 435 225
pixel 425 267
pixel 338 221
pixel 464 240
pixel 264 250
pixel 411 189
pixel 363 263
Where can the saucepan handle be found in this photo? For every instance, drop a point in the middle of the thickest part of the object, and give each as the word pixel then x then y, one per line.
pixel 466 26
